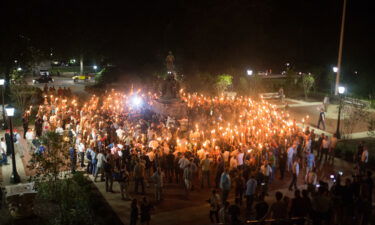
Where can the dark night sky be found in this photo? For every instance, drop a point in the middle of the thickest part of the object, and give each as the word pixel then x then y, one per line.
pixel 210 35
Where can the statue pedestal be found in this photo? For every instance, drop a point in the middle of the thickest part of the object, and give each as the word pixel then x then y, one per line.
pixel 170 107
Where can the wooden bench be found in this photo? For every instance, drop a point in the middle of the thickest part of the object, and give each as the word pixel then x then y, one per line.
pixel 271 95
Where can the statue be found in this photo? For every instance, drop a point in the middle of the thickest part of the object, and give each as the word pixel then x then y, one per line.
pixel 170 62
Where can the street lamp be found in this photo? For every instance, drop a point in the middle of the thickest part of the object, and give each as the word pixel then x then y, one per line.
pixel 335 69
pixel 95 67
pixel 249 72
pixel 2 84
pixel 341 91
pixel 14 178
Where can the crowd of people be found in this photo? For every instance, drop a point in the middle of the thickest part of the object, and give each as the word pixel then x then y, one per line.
pixel 234 146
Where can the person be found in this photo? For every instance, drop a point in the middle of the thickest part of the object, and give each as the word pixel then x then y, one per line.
pixel 139 174
pixel 325 103
pixel 123 181
pixel 310 162
pixel 101 161
pixel 282 163
pixel 29 139
pixel 158 178
pixel 188 178
pixel 261 208
pixel 359 152
pixel 81 152
pixel 321 207
pixel 224 214
pixel 25 124
pixel 306 203
pixel 291 153
pixel 297 208
pixel 239 186
pixel 108 169
pixel 214 206
pixel 73 159
pixel 311 180
pixel 225 184
pixel 364 160
pixel 169 166
pixel 146 208
pixel 38 126
pixel 266 171
pixel 281 94
pixel 322 119
pixel 332 148
pixel 3 152
pixel 278 209
pixel 324 149
pixel 205 166
pixel 134 212
pixel 17 143
pixel 295 172
pixel 251 186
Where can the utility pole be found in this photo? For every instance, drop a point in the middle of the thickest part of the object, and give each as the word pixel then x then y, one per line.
pixel 340 48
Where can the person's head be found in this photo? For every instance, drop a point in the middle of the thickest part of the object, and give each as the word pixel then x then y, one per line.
pixel 278 195
pixel 2 138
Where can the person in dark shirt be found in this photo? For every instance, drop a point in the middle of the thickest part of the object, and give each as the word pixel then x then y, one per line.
pixel 297 208
pixel 261 208
pixel 169 166
pixel 282 163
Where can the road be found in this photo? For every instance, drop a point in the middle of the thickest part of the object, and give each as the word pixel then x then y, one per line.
pixel 77 88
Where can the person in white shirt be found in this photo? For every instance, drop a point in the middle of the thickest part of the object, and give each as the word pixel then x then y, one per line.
pixel 81 152
pixel 17 143
pixel 266 171
pixel 3 152
pixel 59 130
pixel 30 136
pixel 120 132
pixel 290 156
pixel 240 157
pixel 101 160
pixel 295 172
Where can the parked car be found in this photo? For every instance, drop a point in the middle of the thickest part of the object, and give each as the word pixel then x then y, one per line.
pixel 81 77
pixel 43 79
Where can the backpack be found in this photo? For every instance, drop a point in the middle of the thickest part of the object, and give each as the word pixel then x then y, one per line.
pixel 88 155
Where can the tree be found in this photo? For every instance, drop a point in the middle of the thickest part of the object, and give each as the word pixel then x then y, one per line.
pixel 223 82
pixel 308 82
pixel 63 197
pixel 24 95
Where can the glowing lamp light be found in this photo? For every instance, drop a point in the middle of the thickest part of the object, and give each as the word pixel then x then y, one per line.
pixel 19 69
pixel 2 82
pixel 249 72
pixel 9 111
pixel 136 101
pixel 335 69
pixel 341 90
pixel 95 67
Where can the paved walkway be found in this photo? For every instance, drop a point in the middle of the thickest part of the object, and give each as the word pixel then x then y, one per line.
pixel 299 109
